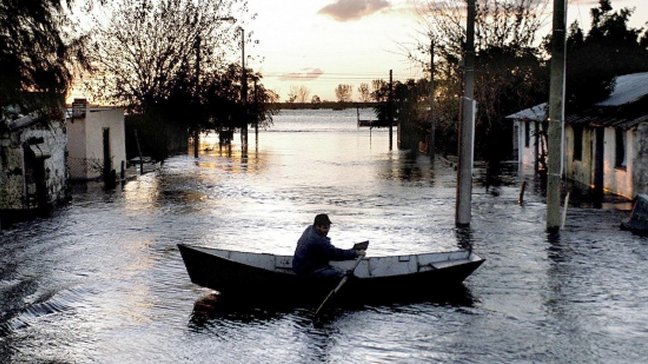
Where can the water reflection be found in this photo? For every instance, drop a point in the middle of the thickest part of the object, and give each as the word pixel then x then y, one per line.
pixel 213 310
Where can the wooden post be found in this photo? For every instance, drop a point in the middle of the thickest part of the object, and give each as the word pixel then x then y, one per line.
pixel 556 116
pixel 466 129
pixel 521 198
pixel 196 142
pixel 107 161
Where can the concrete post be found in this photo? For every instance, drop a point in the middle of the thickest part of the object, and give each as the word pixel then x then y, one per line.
pixel 556 116
pixel 467 127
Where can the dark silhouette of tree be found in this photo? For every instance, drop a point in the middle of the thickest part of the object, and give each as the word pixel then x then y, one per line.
pixel 344 92
pixel 509 70
pixel 36 54
pixel 166 61
pixel 145 47
pixel 221 99
pixel 363 91
pixel 609 49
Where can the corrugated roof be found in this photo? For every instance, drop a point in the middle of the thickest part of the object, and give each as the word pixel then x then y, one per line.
pixel 627 89
pixel 535 113
pixel 621 109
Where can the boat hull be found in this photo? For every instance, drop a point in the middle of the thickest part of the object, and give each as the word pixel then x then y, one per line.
pixel 372 280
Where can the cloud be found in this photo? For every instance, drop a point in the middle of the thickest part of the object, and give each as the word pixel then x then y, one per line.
pixel 306 74
pixel 344 10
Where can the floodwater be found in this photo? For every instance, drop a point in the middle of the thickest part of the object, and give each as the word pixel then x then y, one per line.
pixel 102 280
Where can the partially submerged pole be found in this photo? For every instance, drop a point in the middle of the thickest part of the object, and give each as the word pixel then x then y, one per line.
pixel 431 143
pixel 244 92
pixel 390 110
pixel 466 129
pixel 196 136
pixel 556 116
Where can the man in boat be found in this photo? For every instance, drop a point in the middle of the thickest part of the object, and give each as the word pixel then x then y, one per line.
pixel 314 251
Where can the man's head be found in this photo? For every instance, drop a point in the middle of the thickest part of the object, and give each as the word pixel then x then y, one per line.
pixel 322 224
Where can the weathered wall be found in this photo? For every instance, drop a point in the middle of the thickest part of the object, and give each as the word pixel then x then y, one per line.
pixel 640 166
pixel 581 171
pixel 12 168
pixel 618 180
pixel 11 171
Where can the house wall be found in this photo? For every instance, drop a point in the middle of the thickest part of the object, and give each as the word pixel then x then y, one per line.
pixel 640 159
pixel 581 171
pixel 76 148
pixel 87 133
pixel 616 180
pixel 626 182
pixel 526 155
pixel 13 191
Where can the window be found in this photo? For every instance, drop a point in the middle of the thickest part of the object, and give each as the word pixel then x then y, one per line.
pixel 526 134
pixel 620 155
pixel 578 142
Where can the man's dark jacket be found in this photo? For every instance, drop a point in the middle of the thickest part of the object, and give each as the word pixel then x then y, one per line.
pixel 314 252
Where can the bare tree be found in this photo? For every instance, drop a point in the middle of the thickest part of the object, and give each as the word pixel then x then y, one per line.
pixel 299 93
pixel 365 94
pixel 143 47
pixel 508 65
pixel 344 92
pixel 498 23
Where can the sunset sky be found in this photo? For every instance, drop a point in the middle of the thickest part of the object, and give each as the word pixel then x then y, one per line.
pixel 322 43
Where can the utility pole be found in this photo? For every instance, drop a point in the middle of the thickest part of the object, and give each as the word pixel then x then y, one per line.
pixel 196 131
pixel 390 108
pixel 467 126
pixel 256 108
pixel 432 143
pixel 244 90
pixel 556 116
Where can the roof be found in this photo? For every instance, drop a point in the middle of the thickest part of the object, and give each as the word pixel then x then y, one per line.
pixel 627 89
pixel 625 107
pixel 535 113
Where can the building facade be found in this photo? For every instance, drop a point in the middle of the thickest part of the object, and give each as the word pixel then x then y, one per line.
pixel 605 146
pixel 96 141
pixel 33 170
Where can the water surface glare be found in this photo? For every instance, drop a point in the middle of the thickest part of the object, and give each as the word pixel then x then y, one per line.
pixel 102 280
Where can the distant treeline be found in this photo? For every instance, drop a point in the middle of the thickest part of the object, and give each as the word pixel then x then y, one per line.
pixel 335 105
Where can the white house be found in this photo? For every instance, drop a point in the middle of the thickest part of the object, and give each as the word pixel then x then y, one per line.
pixel 605 146
pixel 96 140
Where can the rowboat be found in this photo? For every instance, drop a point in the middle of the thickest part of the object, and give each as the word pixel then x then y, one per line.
pixel 263 276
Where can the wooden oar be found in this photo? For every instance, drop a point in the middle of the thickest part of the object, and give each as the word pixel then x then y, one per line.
pixel 337 288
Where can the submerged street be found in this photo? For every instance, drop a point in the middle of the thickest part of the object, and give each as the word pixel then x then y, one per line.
pixel 102 279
